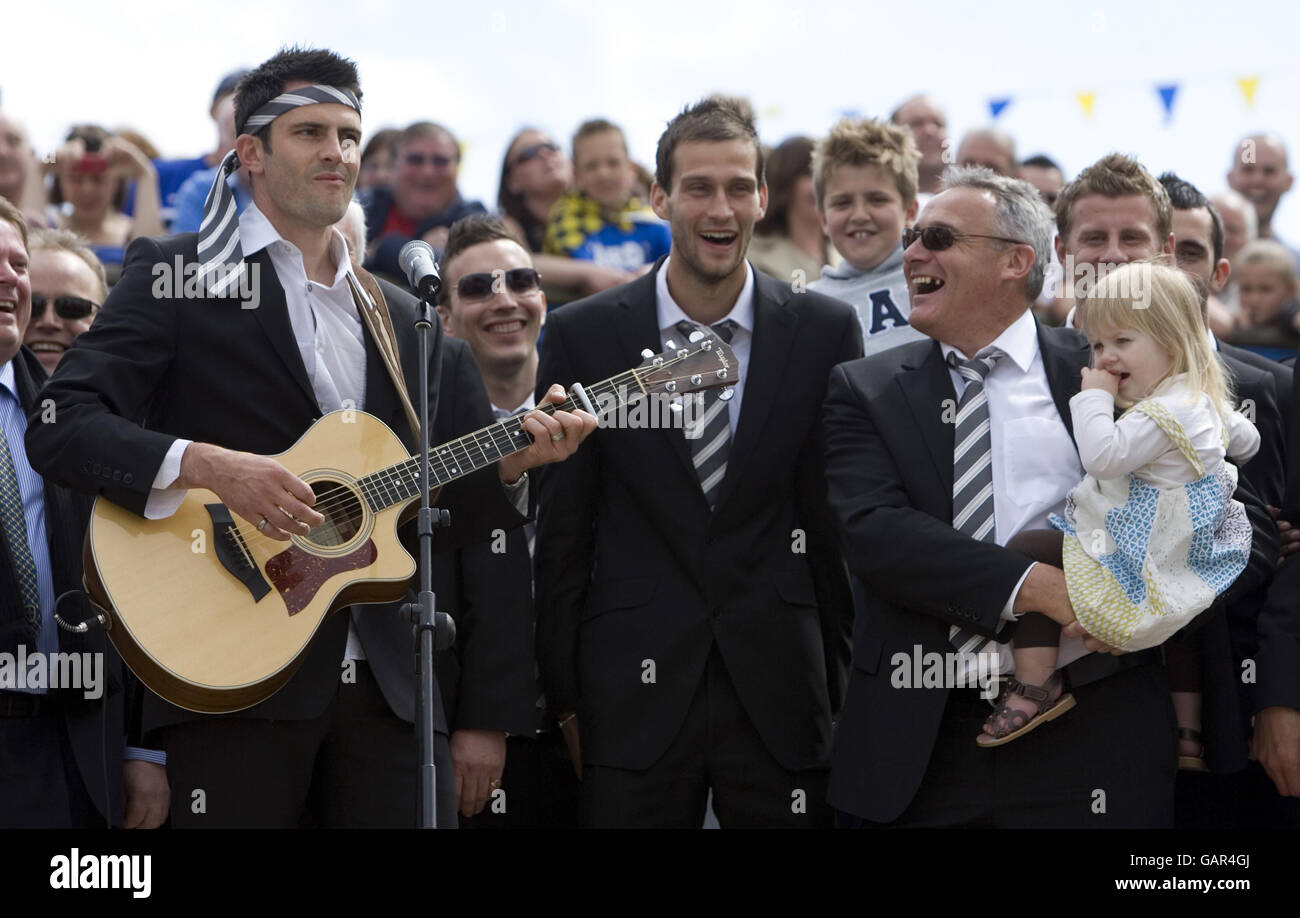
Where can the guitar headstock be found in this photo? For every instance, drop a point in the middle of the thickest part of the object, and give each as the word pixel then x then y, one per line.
pixel 705 362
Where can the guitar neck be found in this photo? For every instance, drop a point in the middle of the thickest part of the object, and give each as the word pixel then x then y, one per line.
pixel 466 455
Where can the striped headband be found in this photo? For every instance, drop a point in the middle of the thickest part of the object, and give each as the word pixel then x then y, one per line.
pixel 221 258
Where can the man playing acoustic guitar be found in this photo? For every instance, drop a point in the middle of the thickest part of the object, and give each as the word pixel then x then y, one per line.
pixel 193 381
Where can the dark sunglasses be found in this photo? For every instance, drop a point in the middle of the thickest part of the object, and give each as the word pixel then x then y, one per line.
pixel 65 307
pixel 483 285
pixel 417 160
pixel 938 238
pixel 532 151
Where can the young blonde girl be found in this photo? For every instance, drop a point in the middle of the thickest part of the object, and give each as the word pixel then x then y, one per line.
pixel 1151 535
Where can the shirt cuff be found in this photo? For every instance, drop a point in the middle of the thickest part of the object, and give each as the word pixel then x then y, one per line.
pixel 517 494
pixel 163 501
pixel 156 756
pixel 1007 615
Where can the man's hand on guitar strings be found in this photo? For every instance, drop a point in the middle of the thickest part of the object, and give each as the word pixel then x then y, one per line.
pixel 556 436
pixel 254 487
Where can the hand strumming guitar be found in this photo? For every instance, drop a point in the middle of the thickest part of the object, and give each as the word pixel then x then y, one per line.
pixel 255 487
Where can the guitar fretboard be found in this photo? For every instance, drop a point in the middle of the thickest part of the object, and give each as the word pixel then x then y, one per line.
pixel 468 454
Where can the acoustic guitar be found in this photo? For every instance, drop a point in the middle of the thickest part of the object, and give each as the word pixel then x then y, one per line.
pixel 215 617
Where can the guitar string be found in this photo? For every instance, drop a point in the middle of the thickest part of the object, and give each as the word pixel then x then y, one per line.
pixel 347 494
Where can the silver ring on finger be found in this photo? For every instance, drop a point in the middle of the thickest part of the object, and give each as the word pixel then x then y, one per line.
pixel 262 525
pixel 557 437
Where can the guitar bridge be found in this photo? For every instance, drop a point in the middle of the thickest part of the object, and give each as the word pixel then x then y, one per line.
pixel 232 551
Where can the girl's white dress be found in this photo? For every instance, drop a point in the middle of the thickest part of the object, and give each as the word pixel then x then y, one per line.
pixel 1152 532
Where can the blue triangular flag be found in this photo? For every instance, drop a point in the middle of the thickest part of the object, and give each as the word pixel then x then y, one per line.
pixel 1167 94
pixel 997 105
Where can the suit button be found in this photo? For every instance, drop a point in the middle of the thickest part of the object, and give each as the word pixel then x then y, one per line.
pixel 128 478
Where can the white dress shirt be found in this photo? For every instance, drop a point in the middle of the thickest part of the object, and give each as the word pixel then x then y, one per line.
pixel 330 338
pixel 742 313
pixel 1035 465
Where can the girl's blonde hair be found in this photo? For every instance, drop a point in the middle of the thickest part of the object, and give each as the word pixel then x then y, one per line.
pixel 1165 304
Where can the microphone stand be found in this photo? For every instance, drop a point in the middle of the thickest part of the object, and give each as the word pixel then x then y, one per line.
pixel 434 630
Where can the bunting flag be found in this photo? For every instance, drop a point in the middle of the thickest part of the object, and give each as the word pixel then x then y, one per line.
pixel 1248 85
pixel 772 111
pixel 997 105
pixel 1086 101
pixel 1167 93
pixel 850 113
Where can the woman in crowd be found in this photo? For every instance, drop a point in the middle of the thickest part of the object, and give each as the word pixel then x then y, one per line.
pixel 534 175
pixel 790 237
pixel 91 173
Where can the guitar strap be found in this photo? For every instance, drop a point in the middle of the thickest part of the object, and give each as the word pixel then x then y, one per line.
pixel 374 312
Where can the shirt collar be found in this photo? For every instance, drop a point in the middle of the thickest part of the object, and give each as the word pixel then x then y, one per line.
pixel 742 312
pixel 256 232
pixel 9 379
pixel 1019 341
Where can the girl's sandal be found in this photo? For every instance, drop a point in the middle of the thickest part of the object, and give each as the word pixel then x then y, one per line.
pixel 1010 723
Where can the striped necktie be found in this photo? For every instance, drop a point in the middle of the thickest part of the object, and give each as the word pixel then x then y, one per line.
pixel 530 528
pixel 15 528
pixel 709 448
pixel 972 469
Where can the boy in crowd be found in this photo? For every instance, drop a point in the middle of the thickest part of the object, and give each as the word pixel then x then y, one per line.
pixel 603 220
pixel 1266 277
pixel 865 178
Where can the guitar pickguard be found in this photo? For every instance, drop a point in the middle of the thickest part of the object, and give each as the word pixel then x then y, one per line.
pixel 297 574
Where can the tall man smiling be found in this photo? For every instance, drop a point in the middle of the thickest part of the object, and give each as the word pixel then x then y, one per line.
pixel 692 601
pixel 164 394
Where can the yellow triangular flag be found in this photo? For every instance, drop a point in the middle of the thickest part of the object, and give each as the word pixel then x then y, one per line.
pixel 1248 85
pixel 772 111
pixel 1087 100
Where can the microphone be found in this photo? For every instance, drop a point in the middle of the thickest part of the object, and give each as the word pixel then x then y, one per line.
pixel 420 268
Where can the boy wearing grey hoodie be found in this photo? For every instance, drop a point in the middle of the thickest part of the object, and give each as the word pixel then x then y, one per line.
pixel 865 179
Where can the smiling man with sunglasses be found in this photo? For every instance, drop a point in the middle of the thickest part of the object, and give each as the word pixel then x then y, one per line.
pixel 67 287
pixel 424 201
pixel 938 453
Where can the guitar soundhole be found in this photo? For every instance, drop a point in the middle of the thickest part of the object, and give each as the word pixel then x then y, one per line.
pixel 344 516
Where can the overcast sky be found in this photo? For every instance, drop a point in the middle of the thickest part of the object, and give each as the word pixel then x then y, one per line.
pixel 486 69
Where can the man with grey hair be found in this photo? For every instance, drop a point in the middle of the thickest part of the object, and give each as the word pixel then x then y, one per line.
pixel 988 147
pixel 424 201
pixel 938 453
pixel 1240 225
pixel 929 126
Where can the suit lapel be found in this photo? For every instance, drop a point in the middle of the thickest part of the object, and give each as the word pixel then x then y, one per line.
pixel 769 352
pixel 273 315
pixel 1062 360
pixel 926 386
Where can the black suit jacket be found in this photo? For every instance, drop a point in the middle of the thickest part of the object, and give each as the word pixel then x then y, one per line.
pixel 152 369
pixel 889 467
pixel 96 728
pixel 633 569
pixel 1274 644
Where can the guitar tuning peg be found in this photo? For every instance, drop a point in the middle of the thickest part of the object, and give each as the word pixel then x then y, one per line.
pixel 646 353
pixel 727 394
pixel 696 335
pixel 670 345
